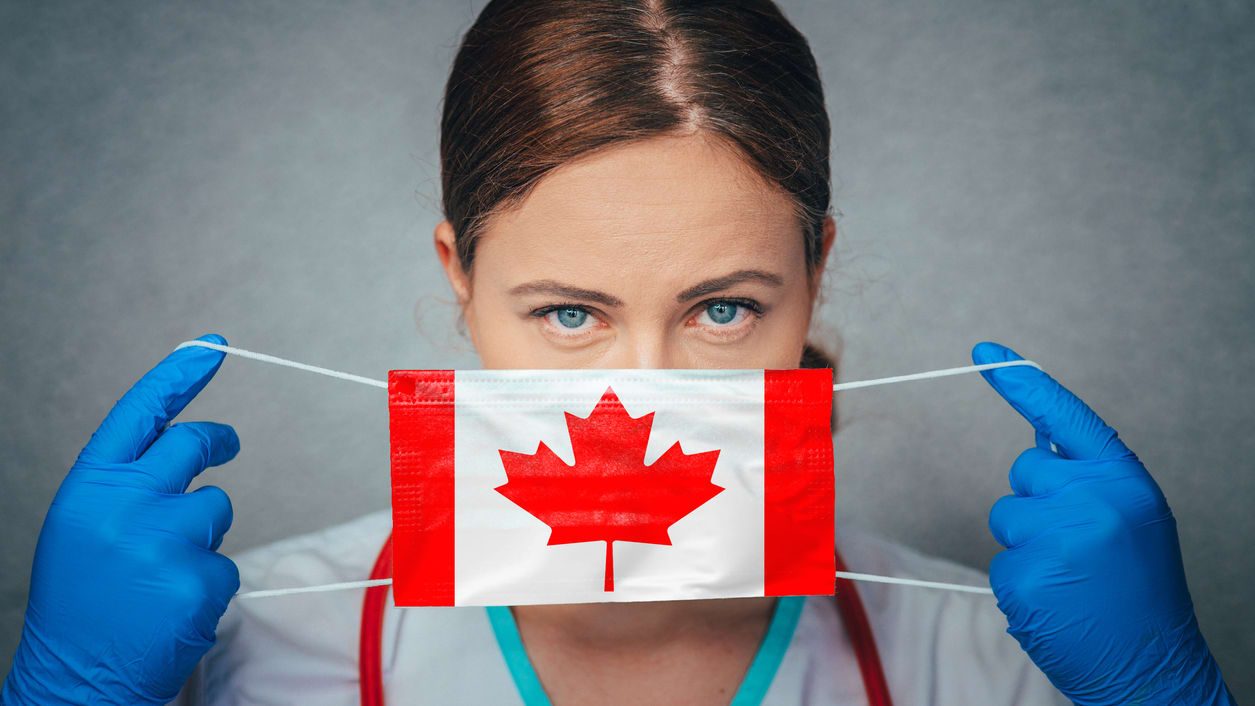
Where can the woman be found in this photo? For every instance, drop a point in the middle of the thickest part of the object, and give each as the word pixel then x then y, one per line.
pixel 626 184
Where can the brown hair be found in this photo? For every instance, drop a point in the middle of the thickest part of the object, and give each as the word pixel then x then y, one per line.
pixel 538 83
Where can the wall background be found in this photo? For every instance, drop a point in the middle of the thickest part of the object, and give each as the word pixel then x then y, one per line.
pixel 1073 179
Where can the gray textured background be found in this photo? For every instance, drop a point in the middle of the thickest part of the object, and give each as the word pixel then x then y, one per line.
pixel 1071 178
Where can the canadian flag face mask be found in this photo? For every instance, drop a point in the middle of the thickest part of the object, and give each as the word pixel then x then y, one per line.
pixel 512 487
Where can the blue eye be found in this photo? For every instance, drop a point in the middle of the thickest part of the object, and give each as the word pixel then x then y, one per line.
pixel 568 320
pixel 722 312
pixel 729 315
pixel 571 318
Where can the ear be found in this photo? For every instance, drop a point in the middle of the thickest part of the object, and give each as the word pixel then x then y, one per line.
pixel 447 250
pixel 825 247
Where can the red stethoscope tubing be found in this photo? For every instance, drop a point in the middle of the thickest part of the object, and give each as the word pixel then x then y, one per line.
pixel 370 645
pixel 370 664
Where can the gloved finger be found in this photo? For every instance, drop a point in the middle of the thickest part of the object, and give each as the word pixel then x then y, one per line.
pixel 202 516
pixel 206 589
pixel 1053 410
pixel 223 579
pixel 1038 471
pixel 1012 574
pixel 139 416
pixel 1015 520
pixel 183 451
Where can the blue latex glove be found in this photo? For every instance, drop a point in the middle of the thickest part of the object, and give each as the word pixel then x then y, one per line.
pixel 1091 579
pixel 127 586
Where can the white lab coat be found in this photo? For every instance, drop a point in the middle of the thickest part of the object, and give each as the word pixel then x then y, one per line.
pixel 938 647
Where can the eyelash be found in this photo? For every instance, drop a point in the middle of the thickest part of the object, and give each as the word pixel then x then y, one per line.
pixel 756 309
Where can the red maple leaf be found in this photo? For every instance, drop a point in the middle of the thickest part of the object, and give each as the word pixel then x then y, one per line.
pixel 609 494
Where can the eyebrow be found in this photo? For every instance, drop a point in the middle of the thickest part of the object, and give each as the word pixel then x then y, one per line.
pixel 710 286
pixel 716 284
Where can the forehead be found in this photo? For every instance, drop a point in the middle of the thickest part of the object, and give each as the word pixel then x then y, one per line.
pixel 662 206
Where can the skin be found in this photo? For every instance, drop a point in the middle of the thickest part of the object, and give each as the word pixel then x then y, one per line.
pixel 609 243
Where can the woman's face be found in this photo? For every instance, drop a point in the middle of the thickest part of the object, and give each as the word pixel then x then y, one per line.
pixel 667 253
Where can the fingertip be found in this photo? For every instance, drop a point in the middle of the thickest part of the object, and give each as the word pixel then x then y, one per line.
pixel 1029 475
pixel 997 520
pixel 233 573
pixel 226 444
pixel 186 449
pixel 1011 382
pixel 227 575
pixel 223 514
pixel 982 352
pixel 209 353
pixel 192 357
pixel 197 365
pixel 991 352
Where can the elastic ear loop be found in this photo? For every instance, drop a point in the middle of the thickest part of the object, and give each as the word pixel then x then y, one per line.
pixel 850 575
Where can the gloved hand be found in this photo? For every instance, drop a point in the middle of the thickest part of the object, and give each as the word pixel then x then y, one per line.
pixel 127 586
pixel 1091 579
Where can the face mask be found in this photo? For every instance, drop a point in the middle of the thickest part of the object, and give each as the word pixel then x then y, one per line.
pixel 514 487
